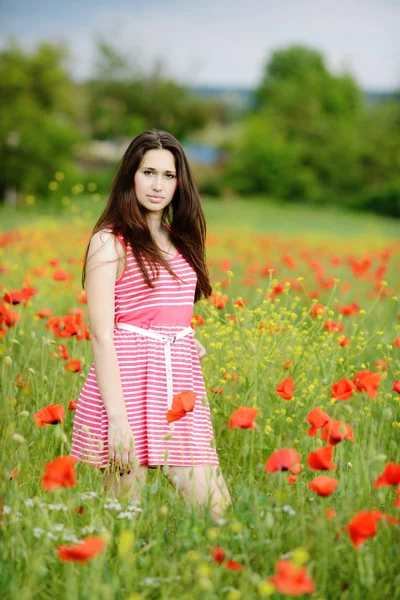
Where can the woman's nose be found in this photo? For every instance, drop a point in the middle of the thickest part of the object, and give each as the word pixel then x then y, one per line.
pixel 157 184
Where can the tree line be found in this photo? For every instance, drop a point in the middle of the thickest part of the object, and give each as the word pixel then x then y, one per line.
pixel 308 135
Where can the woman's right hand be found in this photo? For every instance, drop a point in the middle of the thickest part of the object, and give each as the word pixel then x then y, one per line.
pixel 121 443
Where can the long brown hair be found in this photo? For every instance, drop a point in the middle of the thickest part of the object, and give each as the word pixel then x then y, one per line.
pixel 183 216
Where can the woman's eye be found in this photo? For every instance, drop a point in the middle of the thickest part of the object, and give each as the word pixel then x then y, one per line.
pixel 151 172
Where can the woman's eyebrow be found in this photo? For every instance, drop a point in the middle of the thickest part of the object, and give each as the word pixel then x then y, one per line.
pixel 152 169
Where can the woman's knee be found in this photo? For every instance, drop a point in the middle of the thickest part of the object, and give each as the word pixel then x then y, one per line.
pixel 200 482
pixel 120 478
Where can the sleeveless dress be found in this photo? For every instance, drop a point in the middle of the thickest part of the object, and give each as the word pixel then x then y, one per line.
pixel 166 309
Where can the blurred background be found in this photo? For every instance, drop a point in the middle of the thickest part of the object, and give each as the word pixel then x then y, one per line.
pixel 294 102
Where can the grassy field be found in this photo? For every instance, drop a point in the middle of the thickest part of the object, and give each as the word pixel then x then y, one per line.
pixel 255 214
pixel 305 301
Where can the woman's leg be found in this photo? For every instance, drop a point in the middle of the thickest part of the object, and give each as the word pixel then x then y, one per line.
pixel 201 484
pixel 125 485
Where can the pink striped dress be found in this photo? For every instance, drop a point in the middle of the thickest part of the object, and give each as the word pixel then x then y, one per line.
pixel 166 309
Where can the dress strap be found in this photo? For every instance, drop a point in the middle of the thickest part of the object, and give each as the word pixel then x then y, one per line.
pixel 121 239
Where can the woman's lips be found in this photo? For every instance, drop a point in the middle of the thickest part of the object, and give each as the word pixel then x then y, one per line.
pixel 155 198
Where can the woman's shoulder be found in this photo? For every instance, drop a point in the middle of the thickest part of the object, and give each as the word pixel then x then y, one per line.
pixel 104 237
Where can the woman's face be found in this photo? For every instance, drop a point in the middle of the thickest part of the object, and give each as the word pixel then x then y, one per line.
pixel 155 180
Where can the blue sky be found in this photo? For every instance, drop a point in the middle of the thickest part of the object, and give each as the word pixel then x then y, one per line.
pixel 219 42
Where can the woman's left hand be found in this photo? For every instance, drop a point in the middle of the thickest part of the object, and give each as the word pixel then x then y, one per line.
pixel 200 349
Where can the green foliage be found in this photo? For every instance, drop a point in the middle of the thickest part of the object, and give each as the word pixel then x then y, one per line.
pixel 101 177
pixel 383 199
pixel 310 137
pixel 264 162
pixel 123 101
pixel 38 117
pixel 163 548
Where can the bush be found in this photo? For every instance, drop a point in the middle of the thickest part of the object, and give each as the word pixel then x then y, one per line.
pixel 384 199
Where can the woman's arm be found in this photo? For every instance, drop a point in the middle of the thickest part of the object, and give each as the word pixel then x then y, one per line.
pixel 101 271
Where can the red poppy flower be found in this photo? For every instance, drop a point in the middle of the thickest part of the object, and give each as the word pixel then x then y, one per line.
pixel 336 431
pixel 197 321
pixel 61 352
pixel 72 405
pixel 243 417
pixel 83 551
pixel 14 297
pixel 316 310
pixel 81 297
pixel 315 294
pixel 20 382
pixel 73 366
pixel 349 309
pixel 291 579
pixel 396 386
pixel 292 479
pixel 218 554
pixel 364 525
pixel 330 513
pixel 29 291
pixel 59 473
pixel 60 275
pixel 182 403
pixel 217 390
pixel 336 260
pixel 368 381
pixel 317 419
pixel 11 318
pixel 233 319
pixel 286 388
pixel 289 261
pixel 323 485
pixel 233 565
pixel 381 364
pixel 278 288
pixel 282 460
pixel 296 469
pixel 53 322
pixel 390 476
pixel 225 264
pixel 327 283
pixel 240 302
pixel 343 341
pixel 230 376
pixel 321 459
pixel 342 389
pixel 44 313
pixel 218 300
pixel 359 267
pixel 333 327
pixel 49 415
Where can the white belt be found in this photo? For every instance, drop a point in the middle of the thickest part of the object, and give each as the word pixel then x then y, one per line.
pixel 168 340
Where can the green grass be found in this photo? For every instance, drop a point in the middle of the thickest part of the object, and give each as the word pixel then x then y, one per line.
pixel 165 551
pixel 253 214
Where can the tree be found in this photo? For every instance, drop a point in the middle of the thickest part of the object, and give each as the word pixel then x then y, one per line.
pixel 39 117
pixel 317 115
pixel 124 101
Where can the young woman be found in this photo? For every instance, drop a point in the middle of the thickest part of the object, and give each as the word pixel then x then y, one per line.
pixel 143 344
